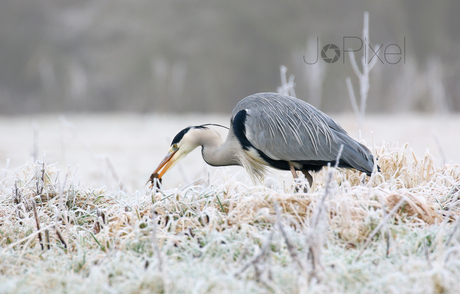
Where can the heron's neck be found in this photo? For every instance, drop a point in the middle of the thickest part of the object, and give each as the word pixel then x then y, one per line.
pixel 217 153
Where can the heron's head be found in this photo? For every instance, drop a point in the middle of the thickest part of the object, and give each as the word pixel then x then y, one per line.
pixel 182 144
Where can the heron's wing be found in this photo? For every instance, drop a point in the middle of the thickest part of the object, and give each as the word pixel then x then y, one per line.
pixel 287 128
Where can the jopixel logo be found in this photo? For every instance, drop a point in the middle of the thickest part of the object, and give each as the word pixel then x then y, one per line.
pixel 392 53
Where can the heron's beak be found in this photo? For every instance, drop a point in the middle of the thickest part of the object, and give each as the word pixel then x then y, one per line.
pixel 165 164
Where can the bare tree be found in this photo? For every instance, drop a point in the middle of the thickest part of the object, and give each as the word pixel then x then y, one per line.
pixel 287 87
pixel 363 77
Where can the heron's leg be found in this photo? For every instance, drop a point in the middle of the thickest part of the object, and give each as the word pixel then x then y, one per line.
pixel 294 173
pixel 308 177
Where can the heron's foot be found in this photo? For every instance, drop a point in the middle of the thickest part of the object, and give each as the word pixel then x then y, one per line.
pixel 297 189
pixel 300 185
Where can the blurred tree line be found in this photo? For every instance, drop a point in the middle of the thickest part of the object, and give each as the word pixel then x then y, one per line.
pixel 204 56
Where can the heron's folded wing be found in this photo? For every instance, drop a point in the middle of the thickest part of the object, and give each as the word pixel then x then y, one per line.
pixel 286 128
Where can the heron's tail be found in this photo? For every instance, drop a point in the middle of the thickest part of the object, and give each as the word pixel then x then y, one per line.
pixel 357 156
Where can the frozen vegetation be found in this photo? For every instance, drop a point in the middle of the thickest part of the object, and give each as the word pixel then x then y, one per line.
pixel 212 231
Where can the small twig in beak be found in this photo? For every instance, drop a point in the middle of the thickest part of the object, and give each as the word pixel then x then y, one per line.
pixel 155 181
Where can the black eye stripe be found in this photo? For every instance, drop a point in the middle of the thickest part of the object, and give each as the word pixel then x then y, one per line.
pixel 181 134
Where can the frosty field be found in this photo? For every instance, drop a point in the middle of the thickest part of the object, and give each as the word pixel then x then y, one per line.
pixel 81 178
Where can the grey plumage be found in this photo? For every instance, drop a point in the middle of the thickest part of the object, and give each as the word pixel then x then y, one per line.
pixel 270 129
pixel 290 129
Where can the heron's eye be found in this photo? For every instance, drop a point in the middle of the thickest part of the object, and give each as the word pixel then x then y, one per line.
pixel 174 146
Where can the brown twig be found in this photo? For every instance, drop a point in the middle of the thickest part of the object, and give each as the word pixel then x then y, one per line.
pixel 155 182
pixel 38 224
pixel 58 233
pixel 47 238
pixel 16 193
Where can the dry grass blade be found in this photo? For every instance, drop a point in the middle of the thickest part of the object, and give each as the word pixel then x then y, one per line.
pixel 201 237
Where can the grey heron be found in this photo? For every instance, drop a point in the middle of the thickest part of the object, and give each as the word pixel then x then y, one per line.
pixel 272 130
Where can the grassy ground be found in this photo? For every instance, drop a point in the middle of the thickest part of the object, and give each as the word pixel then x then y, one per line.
pixel 395 232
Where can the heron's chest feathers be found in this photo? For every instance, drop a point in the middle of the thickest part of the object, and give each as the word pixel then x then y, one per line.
pixel 254 155
pixel 254 164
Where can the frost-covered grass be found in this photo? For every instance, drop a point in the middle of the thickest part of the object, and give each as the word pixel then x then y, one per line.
pixel 235 238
